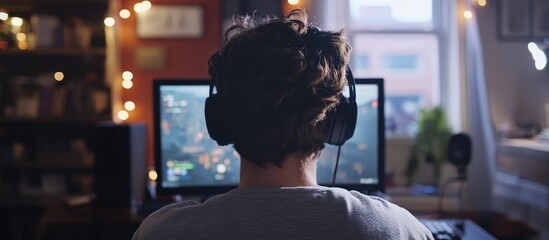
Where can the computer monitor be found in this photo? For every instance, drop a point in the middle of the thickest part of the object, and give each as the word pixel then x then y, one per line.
pixel 189 162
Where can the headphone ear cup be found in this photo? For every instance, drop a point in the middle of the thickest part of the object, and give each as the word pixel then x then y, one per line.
pixel 341 122
pixel 218 126
pixel 350 121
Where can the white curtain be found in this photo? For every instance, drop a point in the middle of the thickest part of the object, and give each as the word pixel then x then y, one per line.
pixel 482 132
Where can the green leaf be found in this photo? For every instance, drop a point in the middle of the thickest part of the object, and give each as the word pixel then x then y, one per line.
pixel 431 141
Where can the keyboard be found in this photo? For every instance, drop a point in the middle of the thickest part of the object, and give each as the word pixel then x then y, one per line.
pixel 442 230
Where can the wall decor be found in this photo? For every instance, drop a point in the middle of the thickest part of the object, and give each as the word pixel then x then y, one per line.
pixel 515 20
pixel 171 21
pixel 150 57
pixel 540 19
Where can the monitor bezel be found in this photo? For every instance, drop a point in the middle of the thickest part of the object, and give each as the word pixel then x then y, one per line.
pixel 380 186
pixel 209 190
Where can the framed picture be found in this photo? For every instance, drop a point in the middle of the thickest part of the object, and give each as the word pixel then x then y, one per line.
pixel 515 19
pixel 171 21
pixel 541 19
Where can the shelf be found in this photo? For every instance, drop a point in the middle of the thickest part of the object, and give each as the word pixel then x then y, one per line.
pixel 25 202
pixel 530 144
pixel 62 52
pixel 53 6
pixel 46 167
pixel 527 159
pixel 8 2
pixel 54 120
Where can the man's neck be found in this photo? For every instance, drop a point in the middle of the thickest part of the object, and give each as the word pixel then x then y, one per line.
pixel 294 172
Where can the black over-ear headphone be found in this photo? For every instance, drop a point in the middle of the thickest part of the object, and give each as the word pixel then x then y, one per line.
pixel 340 121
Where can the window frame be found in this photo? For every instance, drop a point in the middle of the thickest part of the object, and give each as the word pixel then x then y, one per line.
pixel 442 20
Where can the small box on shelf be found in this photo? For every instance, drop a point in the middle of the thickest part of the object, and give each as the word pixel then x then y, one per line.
pixel 12 153
pixel 33 184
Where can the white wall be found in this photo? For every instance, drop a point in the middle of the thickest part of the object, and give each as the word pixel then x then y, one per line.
pixel 517 94
pixel 517 91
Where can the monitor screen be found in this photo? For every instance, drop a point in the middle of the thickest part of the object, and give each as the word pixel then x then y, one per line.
pixel 188 161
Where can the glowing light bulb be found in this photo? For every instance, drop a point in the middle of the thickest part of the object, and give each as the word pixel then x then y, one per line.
pixel 17 21
pixel 109 21
pixel 59 76
pixel 467 14
pixel 4 16
pixel 129 105
pixel 293 2
pixel 22 45
pixel 146 5
pixel 127 76
pixel 127 84
pixel 125 13
pixel 123 115
pixel 138 7
pixel 153 175
pixel 21 37
pixel 481 3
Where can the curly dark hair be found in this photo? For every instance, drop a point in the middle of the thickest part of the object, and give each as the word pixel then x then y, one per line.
pixel 278 77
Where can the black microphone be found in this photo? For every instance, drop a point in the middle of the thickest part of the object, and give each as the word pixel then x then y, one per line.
pixel 459 153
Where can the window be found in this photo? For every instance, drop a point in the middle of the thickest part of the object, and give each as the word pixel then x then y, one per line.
pixel 398 40
pixel 361 62
pixel 400 62
pixel 392 14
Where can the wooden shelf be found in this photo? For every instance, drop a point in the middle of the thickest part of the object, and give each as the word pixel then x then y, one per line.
pixel 47 167
pixel 530 144
pixel 26 202
pixel 526 158
pixel 54 120
pixel 52 1
pixel 62 52
pixel 48 6
pixel 48 157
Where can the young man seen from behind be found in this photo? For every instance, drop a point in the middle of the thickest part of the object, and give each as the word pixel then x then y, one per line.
pixel 277 80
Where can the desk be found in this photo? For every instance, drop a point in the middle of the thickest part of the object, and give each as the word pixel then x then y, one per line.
pixel 468 229
pixel 525 158
pixel 496 224
pixel 87 222
pixel 95 222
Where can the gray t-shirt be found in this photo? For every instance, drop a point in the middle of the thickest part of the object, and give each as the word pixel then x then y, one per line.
pixel 284 213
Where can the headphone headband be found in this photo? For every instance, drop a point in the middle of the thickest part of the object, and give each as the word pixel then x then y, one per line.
pixel 351 83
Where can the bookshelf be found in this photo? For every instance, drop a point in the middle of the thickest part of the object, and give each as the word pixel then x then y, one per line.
pixel 98 51
pixel 53 91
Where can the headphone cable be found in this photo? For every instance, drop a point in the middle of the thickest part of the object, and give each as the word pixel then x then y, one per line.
pixel 336 164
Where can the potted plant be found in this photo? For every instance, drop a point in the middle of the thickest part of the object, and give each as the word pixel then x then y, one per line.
pixel 431 144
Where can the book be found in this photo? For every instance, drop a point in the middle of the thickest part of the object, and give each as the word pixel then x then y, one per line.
pixel 58 102
pixel 46 96
pixel 27 105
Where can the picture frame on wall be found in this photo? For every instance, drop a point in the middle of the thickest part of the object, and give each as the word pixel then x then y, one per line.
pixel 515 20
pixel 171 21
pixel 540 19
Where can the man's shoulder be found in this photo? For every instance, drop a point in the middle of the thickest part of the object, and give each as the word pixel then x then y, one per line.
pixel 173 207
pixel 379 213
pixel 160 223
